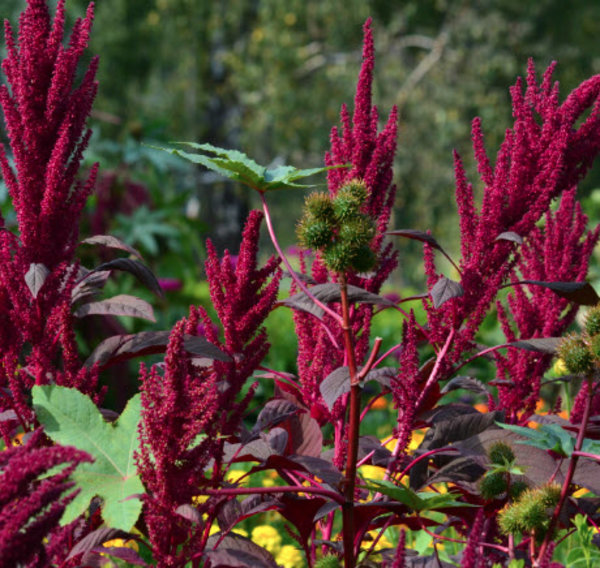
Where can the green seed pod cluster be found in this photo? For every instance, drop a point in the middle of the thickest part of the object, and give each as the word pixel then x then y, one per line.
pixel 516 489
pixel 501 454
pixel 339 229
pixel 576 355
pixel 329 561
pixel 492 485
pixel 592 321
pixel 531 512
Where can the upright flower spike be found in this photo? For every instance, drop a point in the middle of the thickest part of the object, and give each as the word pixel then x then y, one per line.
pixel 370 154
pixel 558 251
pixel 45 113
pixel 31 505
pixel 177 406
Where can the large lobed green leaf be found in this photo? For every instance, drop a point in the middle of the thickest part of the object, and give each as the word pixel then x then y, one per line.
pixel 237 166
pixel 70 418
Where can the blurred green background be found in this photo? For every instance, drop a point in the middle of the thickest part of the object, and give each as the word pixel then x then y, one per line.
pixel 268 77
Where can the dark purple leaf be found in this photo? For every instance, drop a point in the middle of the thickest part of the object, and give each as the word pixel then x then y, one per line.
pixel 538 344
pixel 383 376
pixel 539 466
pixel 274 412
pixel 8 415
pixel 320 468
pixel 135 267
pixel 258 449
pixel 510 236
pixel 228 514
pixel 111 242
pixel 329 293
pixel 122 347
pixel 587 474
pixel 334 385
pixel 461 469
pixel 306 435
pixel 465 382
pixel 236 551
pixel 417 236
pixel 579 292
pixel 257 504
pixel 123 553
pixel 445 289
pixel 90 284
pixel 426 562
pixel 35 277
pixel 121 305
pixel 278 439
pixel 95 539
pixel 370 444
pixel 190 513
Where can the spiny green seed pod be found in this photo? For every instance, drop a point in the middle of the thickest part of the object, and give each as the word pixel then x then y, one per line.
pixel 576 355
pixel 358 231
pixel 329 561
pixel 355 189
pixel 501 454
pixel 345 207
pixel 516 489
pixel 363 259
pixel 319 205
pixel 595 347
pixel 530 511
pixel 550 494
pixel 314 233
pixel 592 321
pixel 492 485
pixel 338 257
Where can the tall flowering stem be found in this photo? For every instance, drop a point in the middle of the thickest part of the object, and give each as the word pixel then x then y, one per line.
pixel 370 155
pixel 45 113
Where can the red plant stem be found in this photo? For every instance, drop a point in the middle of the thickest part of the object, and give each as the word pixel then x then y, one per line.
pixel 277 489
pixel 353 430
pixel 569 476
pixel 433 376
pixel 285 261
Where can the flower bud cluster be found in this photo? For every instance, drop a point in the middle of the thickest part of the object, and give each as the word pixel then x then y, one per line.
pixel 339 229
pixel 581 353
pixel 531 512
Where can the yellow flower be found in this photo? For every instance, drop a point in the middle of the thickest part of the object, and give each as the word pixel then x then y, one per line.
pixel 372 472
pixel 121 543
pixel 241 532
pixel 383 542
pixel 290 557
pixel 267 537
pixel 235 476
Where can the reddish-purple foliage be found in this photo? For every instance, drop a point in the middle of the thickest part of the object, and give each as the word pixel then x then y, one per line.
pixel 30 508
pixel 45 114
pixel 371 156
pixel 472 554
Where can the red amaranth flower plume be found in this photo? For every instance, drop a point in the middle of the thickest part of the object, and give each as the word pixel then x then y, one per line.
pixel 178 405
pixel 30 506
pixel 544 155
pixel 556 252
pixel 45 113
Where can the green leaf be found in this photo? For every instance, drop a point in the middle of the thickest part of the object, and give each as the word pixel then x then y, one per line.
pixel 421 501
pixel 70 418
pixel 237 166
pixel 546 437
